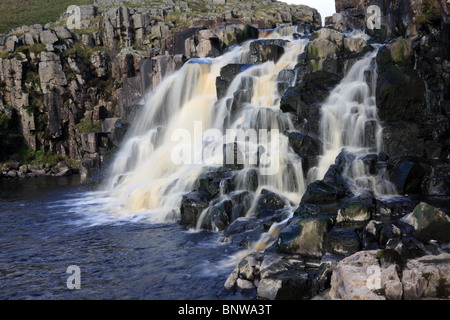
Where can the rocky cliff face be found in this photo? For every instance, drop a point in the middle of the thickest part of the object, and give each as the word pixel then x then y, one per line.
pixel 70 89
pixel 336 240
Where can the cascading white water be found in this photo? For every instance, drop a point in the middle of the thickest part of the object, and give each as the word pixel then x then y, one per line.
pixel 345 118
pixel 144 177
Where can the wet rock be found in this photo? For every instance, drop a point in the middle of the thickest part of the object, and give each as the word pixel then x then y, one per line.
pixel 220 215
pixel 430 223
pixel 320 192
pixel 342 241
pixel 286 279
pixel 407 174
pixel 243 231
pixel 227 74
pixel 192 206
pixel 358 209
pixel 395 206
pixel 379 234
pixel 210 182
pixel 266 50
pixel 246 275
pixel 241 203
pixel 250 179
pixel 308 148
pixel 268 203
pixel 304 236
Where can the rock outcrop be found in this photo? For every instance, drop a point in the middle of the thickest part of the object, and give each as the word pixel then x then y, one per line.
pixel 67 82
pixel 339 245
pixel 378 275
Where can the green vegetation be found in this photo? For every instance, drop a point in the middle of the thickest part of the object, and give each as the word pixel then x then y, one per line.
pixel 431 13
pixel 88 125
pixel 177 21
pixel 31 157
pixel 83 52
pixel 15 13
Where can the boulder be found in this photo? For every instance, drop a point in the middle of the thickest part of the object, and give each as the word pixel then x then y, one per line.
pixel 266 50
pixel 304 236
pixel 285 278
pixel 322 49
pixel 321 192
pixel 342 241
pixel 328 34
pixel 397 51
pixel 427 277
pixel 48 37
pixel 406 174
pixel 356 46
pixel 354 210
pixel 227 74
pixel 233 34
pixel 192 206
pixel 377 275
pixel 351 279
pixel 430 223
pixel 243 232
pixel 220 215
pixel 268 203
pixel 63 33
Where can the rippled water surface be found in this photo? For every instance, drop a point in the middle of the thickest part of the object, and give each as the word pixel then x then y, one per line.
pixel 48 224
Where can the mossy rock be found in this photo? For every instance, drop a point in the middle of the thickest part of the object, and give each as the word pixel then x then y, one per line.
pixel 398 51
pixel 354 211
pixel 305 236
pixel 430 223
pixel 390 256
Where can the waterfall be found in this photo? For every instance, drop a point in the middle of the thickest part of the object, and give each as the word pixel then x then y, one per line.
pixel 349 122
pixel 184 130
pixel 183 117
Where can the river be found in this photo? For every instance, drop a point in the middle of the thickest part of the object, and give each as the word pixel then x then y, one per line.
pixel 49 224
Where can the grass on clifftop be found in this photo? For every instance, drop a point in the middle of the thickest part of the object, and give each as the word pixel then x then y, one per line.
pixel 15 13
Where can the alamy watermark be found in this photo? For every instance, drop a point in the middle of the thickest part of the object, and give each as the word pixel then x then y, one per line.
pixel 74 19
pixel 373 17
pixel 74 280
pixel 236 147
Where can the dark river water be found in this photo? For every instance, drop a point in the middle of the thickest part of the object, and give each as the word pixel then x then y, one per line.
pixel 49 224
